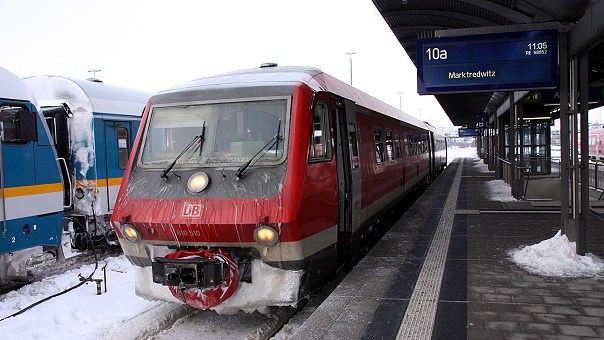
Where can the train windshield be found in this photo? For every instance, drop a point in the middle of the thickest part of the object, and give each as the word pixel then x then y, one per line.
pixel 234 132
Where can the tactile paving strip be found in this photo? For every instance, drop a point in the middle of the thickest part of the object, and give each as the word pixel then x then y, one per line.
pixel 421 312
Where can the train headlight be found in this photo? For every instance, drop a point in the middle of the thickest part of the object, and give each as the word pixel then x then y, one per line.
pixel 198 182
pixel 131 233
pixel 266 235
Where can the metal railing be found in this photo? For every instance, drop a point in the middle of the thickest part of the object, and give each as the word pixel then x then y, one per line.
pixel 544 167
pixel 596 175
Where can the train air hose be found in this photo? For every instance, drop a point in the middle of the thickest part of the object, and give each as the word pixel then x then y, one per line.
pixel 211 296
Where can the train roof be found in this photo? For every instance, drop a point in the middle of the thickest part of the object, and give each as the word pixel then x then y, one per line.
pixel 285 78
pixel 88 95
pixel 13 87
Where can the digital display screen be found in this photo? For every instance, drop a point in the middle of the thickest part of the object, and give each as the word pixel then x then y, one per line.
pixel 488 62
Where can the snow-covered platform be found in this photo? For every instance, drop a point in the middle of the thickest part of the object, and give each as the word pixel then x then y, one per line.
pixel 457 266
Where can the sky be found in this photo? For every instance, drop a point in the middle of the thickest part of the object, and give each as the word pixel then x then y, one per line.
pixel 153 45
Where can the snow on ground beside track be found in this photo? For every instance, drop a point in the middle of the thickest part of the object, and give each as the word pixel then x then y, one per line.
pixel 80 313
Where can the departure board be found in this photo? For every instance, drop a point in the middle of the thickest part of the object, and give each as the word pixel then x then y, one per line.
pixel 488 62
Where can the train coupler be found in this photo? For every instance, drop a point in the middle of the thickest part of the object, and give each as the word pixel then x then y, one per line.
pixel 196 272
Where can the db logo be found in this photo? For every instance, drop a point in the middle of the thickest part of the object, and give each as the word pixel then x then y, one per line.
pixel 191 210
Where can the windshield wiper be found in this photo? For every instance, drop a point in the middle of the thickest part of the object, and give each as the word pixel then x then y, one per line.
pixel 272 142
pixel 201 138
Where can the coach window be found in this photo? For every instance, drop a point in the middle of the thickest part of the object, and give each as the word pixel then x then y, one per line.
pixel 17 125
pixel 397 144
pixel 122 147
pixel 406 144
pixel 389 146
pixel 379 146
pixel 320 142
pixel 411 146
pixel 354 150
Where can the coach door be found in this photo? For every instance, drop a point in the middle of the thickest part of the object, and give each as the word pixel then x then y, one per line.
pixel 349 177
pixel 117 146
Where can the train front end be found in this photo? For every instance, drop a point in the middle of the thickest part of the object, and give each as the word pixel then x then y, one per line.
pixel 206 208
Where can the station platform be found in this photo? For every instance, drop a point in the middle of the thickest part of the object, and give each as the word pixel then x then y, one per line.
pixel 443 272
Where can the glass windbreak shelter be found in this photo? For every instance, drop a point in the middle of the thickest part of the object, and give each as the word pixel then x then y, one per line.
pixel 535 143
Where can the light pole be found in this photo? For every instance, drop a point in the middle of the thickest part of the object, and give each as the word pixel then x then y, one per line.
pixel 400 100
pixel 350 57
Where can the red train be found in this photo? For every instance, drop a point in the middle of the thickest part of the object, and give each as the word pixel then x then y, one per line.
pixel 248 189
pixel 596 144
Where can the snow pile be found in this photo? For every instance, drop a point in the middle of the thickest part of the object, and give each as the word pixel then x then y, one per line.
pixel 78 313
pixel 557 257
pixel 481 167
pixel 499 191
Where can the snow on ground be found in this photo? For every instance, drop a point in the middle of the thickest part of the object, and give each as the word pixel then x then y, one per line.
pixel 499 191
pixel 554 257
pixel 80 313
pixel 557 257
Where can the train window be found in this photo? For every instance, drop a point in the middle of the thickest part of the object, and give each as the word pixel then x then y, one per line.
pixel 406 143
pixel 122 147
pixel 354 150
pixel 233 132
pixel 379 145
pixel 389 146
pixel 397 144
pixel 17 125
pixel 320 141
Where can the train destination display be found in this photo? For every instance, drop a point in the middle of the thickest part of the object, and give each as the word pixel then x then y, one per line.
pixel 487 62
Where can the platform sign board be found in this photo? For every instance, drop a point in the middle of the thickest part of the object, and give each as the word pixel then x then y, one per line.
pixel 488 62
pixel 468 132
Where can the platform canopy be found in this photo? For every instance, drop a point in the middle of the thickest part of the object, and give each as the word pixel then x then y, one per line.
pixel 414 19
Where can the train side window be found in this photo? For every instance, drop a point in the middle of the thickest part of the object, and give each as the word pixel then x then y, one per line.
pixel 379 146
pixel 397 144
pixel 389 146
pixel 122 147
pixel 320 141
pixel 354 150
pixel 17 125
pixel 406 144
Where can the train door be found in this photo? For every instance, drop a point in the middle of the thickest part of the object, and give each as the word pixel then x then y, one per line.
pixel 348 167
pixel 117 149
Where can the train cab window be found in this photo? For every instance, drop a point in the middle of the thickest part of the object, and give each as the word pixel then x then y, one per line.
pixel 320 141
pixel 17 125
pixel 379 145
pixel 354 150
pixel 397 144
pixel 389 146
pixel 122 147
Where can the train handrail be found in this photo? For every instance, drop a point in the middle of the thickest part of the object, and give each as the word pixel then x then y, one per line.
pixel 64 162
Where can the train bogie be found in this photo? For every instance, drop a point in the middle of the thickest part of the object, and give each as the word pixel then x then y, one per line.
pixel 272 174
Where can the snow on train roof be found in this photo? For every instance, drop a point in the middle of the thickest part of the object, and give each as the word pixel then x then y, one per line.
pixel 89 95
pixel 13 87
pixel 289 76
